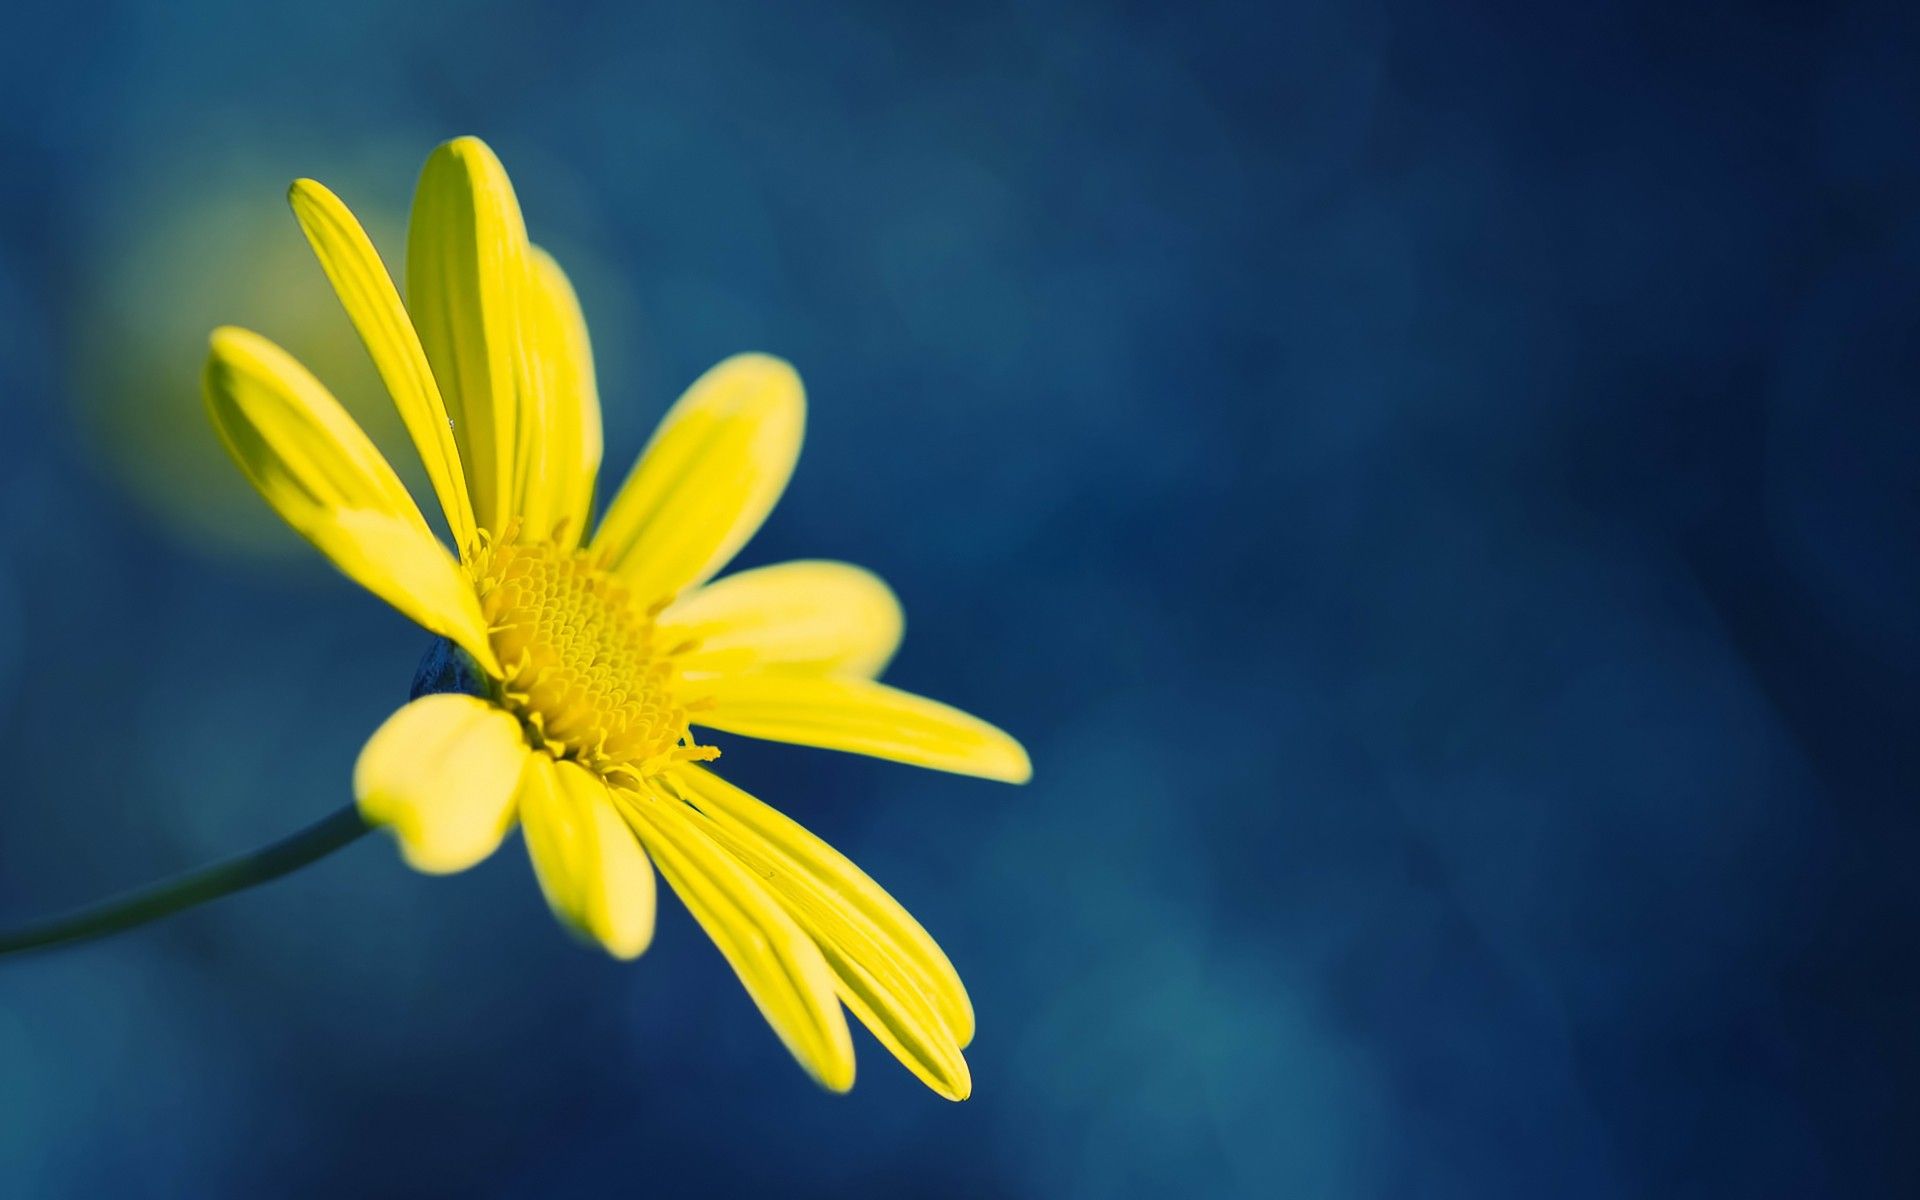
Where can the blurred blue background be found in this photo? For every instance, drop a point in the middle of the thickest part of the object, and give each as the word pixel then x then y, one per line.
pixel 1432 484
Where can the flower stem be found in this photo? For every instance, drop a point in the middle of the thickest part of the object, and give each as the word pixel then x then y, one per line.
pixel 269 862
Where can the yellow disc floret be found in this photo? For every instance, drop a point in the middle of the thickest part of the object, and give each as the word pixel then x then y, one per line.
pixel 583 671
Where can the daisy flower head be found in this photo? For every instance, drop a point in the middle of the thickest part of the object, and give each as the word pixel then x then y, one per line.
pixel 581 666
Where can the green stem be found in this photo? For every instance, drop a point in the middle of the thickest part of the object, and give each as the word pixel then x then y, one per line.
pixel 269 862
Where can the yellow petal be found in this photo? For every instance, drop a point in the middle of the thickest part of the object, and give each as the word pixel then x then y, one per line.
pixel 442 773
pixel 589 862
pixel 865 718
pixel 709 477
pixel 833 874
pixel 803 618
pixel 889 1005
pixel 320 473
pixel 779 964
pixel 366 291
pixel 563 457
pixel 467 265
pixel 890 972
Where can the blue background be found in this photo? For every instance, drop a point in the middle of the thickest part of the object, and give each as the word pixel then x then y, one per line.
pixel 1433 484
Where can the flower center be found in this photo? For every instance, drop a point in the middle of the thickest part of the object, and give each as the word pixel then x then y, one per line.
pixel 583 671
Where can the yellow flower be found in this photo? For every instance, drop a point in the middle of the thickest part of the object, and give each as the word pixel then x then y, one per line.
pixel 574 669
